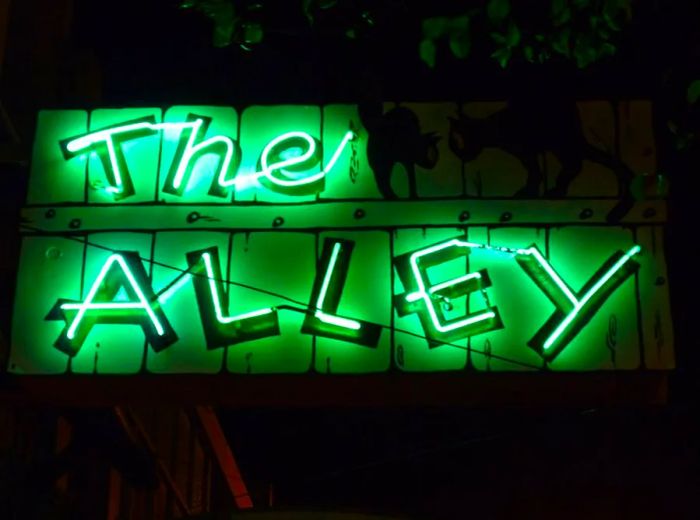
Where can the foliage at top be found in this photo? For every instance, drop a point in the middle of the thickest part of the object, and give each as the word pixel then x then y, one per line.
pixel 582 31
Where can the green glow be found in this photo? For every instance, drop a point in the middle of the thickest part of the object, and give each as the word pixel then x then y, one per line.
pixel 589 294
pixel 415 296
pixel 551 272
pixel 327 292
pixel 191 150
pixel 425 294
pixel 215 297
pixel 338 321
pixel 285 183
pixel 84 144
pixel 221 330
pixel 101 306
pixel 327 318
pixel 278 174
pixel 172 290
pixel 349 136
pixel 572 312
pixel 89 305
pixel 119 181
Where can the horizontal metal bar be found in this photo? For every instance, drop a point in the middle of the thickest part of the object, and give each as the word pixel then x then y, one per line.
pixel 331 215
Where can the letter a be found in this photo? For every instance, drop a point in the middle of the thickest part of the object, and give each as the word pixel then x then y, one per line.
pixel 123 269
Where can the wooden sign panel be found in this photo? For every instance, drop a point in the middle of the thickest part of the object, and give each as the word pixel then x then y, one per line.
pixel 340 239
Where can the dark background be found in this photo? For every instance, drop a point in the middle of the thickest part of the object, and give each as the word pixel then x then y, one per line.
pixel 603 461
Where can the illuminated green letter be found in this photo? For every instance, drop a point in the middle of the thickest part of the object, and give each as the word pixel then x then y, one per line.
pixel 325 297
pixel 573 310
pixel 219 328
pixel 285 161
pixel 188 153
pixel 107 143
pixel 423 297
pixel 122 269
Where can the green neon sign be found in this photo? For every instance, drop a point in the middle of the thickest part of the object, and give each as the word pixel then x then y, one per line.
pixel 198 239
pixel 124 269
pixel 283 166
pixel 331 274
pixel 121 270
pixel 573 311
pixel 425 298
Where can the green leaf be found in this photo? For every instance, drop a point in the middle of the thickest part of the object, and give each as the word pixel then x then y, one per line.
pixel 460 44
pixel 251 33
pixel 615 12
pixel 497 10
pixel 529 53
pixel 558 6
pixel 428 52
pixel 499 38
pixel 458 24
pixel 560 42
pixel 561 12
pixel 693 91
pixel 434 28
pixel 513 35
pixel 562 18
pixel 306 7
pixel 223 35
pixel 581 4
pixel 607 49
pixel 502 56
pixel 584 53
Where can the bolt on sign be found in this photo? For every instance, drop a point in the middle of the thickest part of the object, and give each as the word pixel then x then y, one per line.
pixel 339 239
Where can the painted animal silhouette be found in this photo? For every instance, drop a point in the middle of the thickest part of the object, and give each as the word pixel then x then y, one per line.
pixel 395 137
pixel 527 129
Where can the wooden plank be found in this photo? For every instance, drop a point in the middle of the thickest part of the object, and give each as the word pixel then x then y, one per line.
pixel 362 301
pixel 334 215
pixel 610 341
pixel 412 351
pixel 141 155
pixel 521 305
pixel 50 268
pixel 224 121
pixel 189 353
pixel 261 124
pixel 53 178
pixel 351 177
pixel 655 305
pixel 110 349
pixel 286 263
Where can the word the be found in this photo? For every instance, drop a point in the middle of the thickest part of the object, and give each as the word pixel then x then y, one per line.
pixel 286 165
